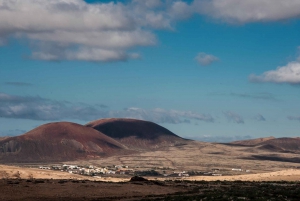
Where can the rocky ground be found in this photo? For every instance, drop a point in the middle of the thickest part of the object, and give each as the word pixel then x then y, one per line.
pixel 141 189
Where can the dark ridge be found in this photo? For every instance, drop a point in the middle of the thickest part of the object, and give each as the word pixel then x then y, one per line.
pixel 137 134
pixel 122 128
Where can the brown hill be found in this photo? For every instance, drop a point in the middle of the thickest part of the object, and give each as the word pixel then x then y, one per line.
pixel 252 141
pixel 271 144
pixel 58 142
pixel 286 144
pixel 137 134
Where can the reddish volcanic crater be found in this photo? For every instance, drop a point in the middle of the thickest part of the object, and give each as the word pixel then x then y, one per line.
pixel 136 134
pixel 66 141
pixel 57 142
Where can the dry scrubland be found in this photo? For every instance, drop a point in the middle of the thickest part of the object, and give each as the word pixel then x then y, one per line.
pixel 193 156
pixel 205 156
pixel 274 180
pixel 201 156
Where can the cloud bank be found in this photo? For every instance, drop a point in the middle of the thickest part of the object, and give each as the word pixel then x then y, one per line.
pixel 106 32
pixel 76 30
pixel 37 108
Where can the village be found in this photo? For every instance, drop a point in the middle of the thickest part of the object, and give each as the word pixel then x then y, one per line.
pixel 124 170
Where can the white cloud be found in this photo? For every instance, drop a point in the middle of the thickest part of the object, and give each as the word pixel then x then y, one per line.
pixel 73 29
pixel 245 11
pixel 286 74
pixel 205 59
pixel 148 3
pixel 111 31
pixel 180 10
pixel 86 54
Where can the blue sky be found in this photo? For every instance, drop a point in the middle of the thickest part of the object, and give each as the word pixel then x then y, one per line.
pixel 208 70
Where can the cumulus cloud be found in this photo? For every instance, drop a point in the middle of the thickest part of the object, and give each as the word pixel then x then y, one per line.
pixel 294 118
pixel 37 108
pixel 289 74
pixel 180 10
pixel 110 31
pixel 259 117
pixel 76 30
pixel 205 59
pixel 231 116
pixel 245 11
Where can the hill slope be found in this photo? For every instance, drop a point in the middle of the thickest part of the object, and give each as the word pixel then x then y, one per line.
pixel 252 141
pixel 57 142
pixel 137 134
pixel 287 144
pixel 272 144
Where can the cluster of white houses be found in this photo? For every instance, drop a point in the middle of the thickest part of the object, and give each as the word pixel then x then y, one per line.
pixel 239 170
pixel 90 170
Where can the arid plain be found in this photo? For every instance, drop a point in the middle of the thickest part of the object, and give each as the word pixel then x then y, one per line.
pixel 156 164
pixel 192 156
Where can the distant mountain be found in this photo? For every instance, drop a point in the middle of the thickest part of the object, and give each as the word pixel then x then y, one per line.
pixel 137 134
pixel 58 142
pixel 252 141
pixel 287 144
pixel 273 144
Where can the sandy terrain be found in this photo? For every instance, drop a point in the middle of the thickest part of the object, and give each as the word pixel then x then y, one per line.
pixel 200 156
pixel 27 173
pixel 14 172
pixel 284 175
pixel 194 156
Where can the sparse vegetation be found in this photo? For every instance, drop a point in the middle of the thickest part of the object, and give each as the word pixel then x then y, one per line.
pixel 17 175
pixel 147 173
pixel 4 175
pixel 148 190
